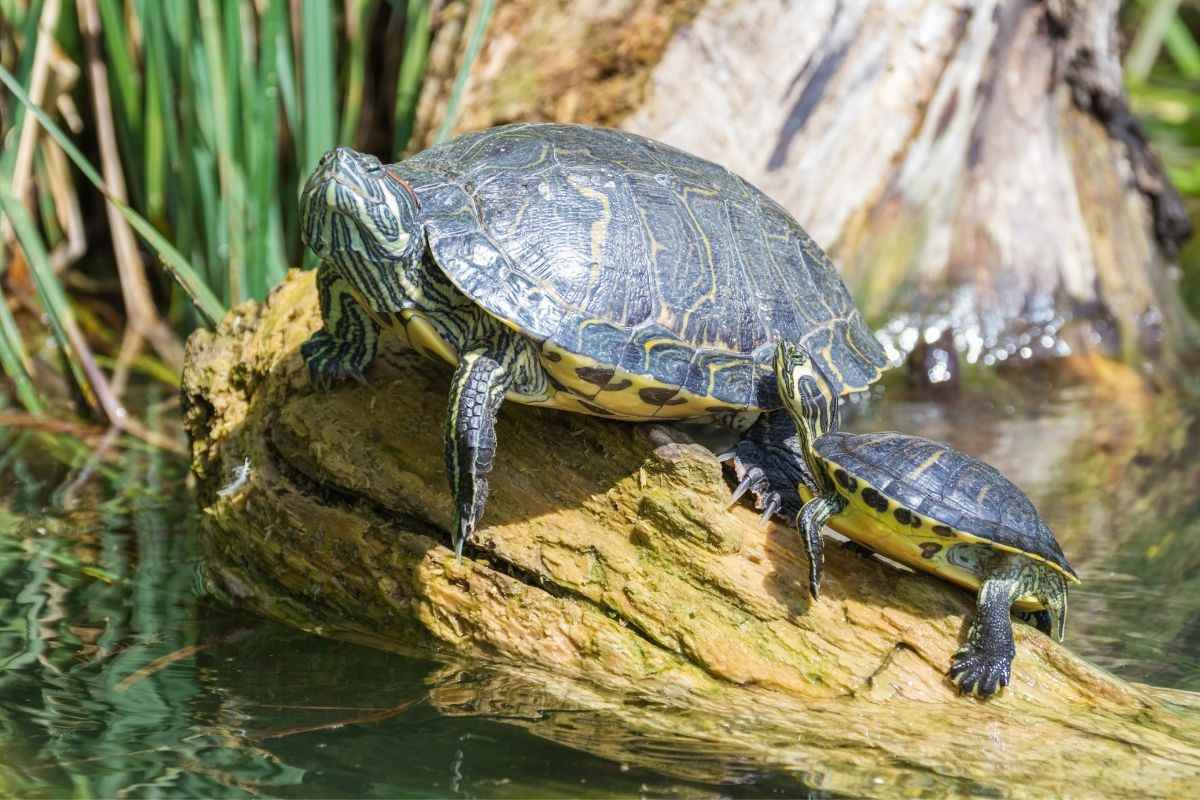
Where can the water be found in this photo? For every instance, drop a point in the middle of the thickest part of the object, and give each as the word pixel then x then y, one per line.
pixel 118 679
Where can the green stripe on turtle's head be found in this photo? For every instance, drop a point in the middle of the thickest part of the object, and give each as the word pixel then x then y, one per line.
pixel 805 393
pixel 354 211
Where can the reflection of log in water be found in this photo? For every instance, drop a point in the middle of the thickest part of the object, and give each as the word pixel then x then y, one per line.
pixel 971 164
pixel 610 577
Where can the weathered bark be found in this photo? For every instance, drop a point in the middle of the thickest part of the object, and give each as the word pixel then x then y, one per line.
pixel 610 578
pixel 973 166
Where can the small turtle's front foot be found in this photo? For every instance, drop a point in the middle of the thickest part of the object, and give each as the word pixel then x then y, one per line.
pixel 330 361
pixel 981 671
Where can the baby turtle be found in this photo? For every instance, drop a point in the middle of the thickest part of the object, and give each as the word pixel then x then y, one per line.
pixel 933 508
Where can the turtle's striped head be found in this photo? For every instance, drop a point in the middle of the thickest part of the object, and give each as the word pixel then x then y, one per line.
pixel 805 393
pixel 360 215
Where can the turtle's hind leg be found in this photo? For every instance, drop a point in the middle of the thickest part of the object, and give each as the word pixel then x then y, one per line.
pixel 983 665
pixel 345 345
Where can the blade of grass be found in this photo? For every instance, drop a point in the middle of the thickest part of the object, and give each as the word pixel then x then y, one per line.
pixel 205 301
pixel 464 70
pixel 1182 47
pixel 285 68
pixel 412 70
pixel 161 137
pixel 90 379
pixel 224 122
pixel 1148 39
pixel 15 360
pixel 53 298
pixel 24 69
pixel 135 290
pixel 356 65
pixel 262 160
pixel 21 168
pixel 198 237
pixel 317 78
pixel 284 238
pixel 120 58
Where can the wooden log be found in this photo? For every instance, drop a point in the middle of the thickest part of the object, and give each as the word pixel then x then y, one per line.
pixel 610 578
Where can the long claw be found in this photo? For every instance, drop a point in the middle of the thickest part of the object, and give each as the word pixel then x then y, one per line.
pixel 773 505
pixel 725 455
pixel 464 533
pixel 741 489
pixel 752 477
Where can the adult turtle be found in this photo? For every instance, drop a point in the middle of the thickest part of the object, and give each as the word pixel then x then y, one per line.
pixel 579 268
pixel 933 508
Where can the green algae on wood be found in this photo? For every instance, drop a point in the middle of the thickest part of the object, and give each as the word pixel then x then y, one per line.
pixel 611 579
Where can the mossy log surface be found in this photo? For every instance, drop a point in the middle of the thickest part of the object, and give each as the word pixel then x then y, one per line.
pixel 610 578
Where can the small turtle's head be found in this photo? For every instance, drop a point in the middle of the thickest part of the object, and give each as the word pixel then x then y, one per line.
pixel 358 214
pixel 805 393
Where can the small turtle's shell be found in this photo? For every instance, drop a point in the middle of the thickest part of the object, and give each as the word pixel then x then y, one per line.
pixel 660 271
pixel 906 476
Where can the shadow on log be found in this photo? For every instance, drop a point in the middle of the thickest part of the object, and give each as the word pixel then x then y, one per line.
pixel 610 579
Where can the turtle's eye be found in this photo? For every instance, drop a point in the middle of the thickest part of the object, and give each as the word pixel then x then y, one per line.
pixel 372 166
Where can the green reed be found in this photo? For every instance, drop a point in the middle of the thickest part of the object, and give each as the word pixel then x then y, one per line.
pixel 218 110
pixel 1162 72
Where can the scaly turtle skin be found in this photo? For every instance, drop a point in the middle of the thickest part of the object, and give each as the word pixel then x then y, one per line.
pixel 933 508
pixel 579 268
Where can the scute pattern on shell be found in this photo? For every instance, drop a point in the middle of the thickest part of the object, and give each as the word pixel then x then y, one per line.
pixel 947 485
pixel 639 255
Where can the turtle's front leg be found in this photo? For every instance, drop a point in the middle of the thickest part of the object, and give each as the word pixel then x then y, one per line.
pixel 475 396
pixel 768 462
pixel 811 522
pixel 345 345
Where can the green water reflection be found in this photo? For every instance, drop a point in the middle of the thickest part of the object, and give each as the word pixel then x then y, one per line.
pixel 117 679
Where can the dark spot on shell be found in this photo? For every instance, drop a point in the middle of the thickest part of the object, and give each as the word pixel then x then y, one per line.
pixel 678 401
pixel 620 386
pixel 657 397
pixel 929 549
pixel 595 409
pixel 874 499
pixel 846 480
pixel 720 409
pixel 597 376
pixel 942 530
pixel 916 521
pixel 903 516
pixel 550 355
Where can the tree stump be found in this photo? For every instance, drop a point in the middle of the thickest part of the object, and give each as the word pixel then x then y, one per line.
pixel 609 577
pixel 972 165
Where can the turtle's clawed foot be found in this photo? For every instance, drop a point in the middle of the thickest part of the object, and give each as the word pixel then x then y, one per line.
pixel 768 476
pixel 980 671
pixel 330 361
